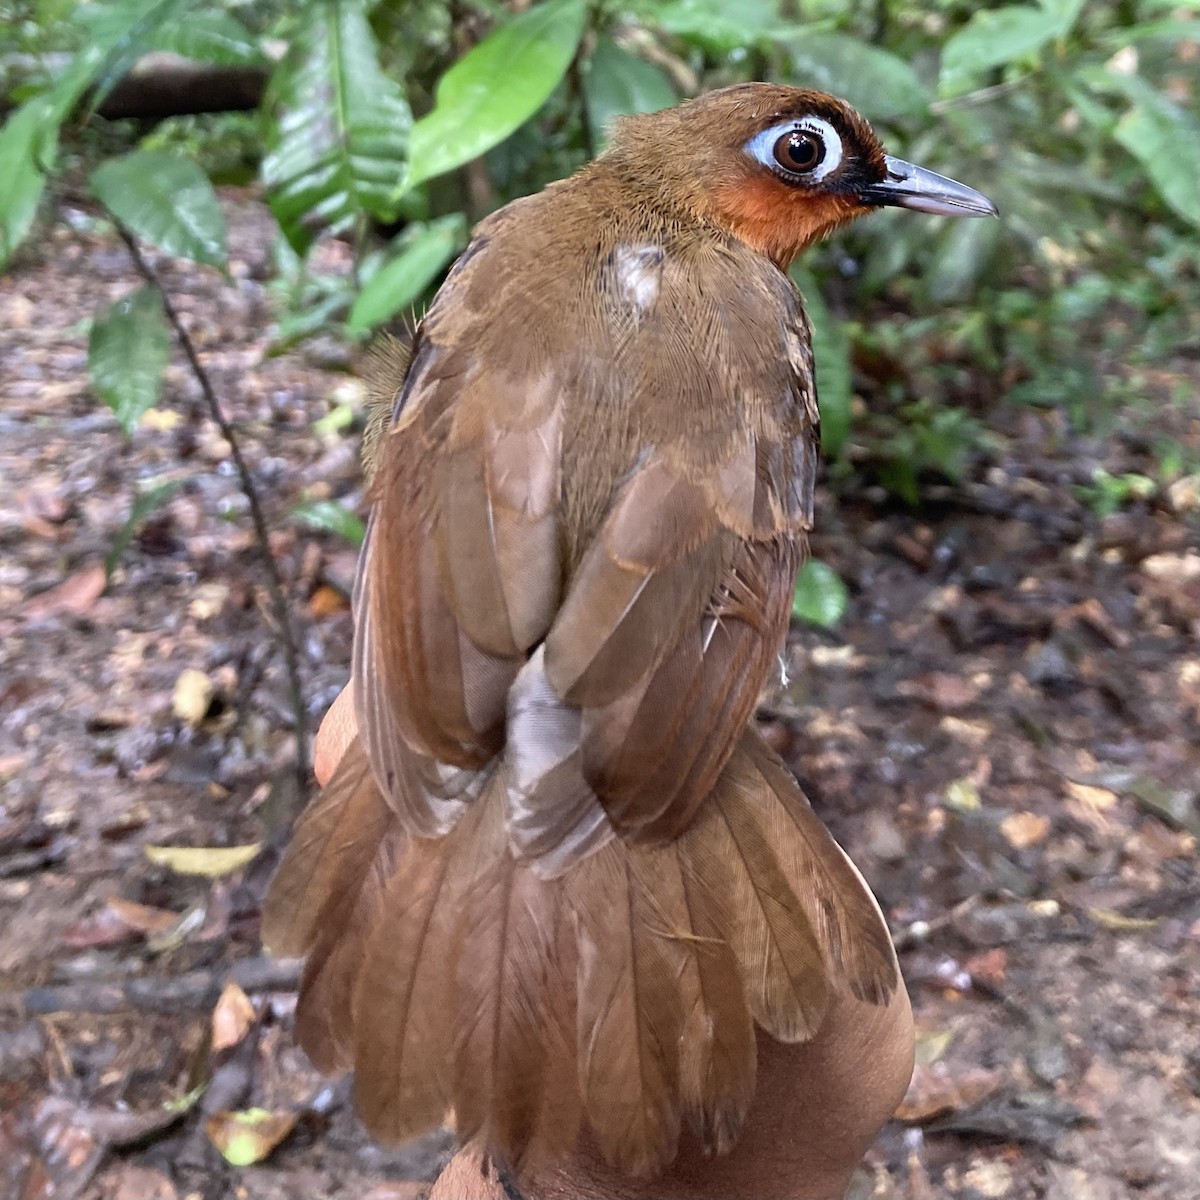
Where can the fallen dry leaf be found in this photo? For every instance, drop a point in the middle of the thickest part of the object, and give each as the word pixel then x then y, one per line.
pixel 941 691
pixel 210 861
pixel 245 1138
pixel 74 596
pixel 1173 568
pixel 963 795
pixel 193 696
pixel 932 1044
pixel 232 1017
pixel 988 966
pixel 161 420
pixel 327 601
pixel 118 921
pixel 1025 829
pixel 1109 919
pixel 936 1089
pixel 1184 494
pixel 208 600
pixel 990 1178
pixel 1096 798
pixel 141 1183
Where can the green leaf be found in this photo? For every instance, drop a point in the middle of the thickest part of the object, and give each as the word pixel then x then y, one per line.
pixel 831 352
pixel 114 35
pixel 165 199
pixel 619 84
pixel 338 146
pixel 146 503
pixel 496 87
pixel 210 35
pixel 717 24
pixel 424 250
pixel 963 253
pixel 28 147
pixel 873 80
pixel 821 597
pixel 996 37
pixel 331 517
pixel 128 351
pixel 1065 12
pixel 1166 141
pixel 1168 30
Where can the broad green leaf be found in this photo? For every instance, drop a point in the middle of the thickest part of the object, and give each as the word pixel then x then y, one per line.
pixel 338 145
pixel 331 517
pixel 210 35
pixel 128 351
pixel 963 253
pixel 821 597
pixel 1165 139
pixel 831 352
pixel 993 38
pixel 1162 136
pixel 719 24
pixel 28 147
pixel 496 87
pixel 144 506
pixel 165 199
pixel 873 80
pixel 618 84
pixel 423 253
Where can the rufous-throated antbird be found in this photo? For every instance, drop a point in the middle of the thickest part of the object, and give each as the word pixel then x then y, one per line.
pixel 558 877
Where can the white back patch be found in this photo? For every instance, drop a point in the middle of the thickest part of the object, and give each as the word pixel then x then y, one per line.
pixel 638 272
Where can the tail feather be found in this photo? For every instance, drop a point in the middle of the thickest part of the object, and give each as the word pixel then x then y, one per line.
pixel 717 1061
pixel 733 847
pixel 849 925
pixel 325 1012
pixel 403 1001
pixel 630 1007
pixel 329 856
pixel 514 1022
pixel 622 992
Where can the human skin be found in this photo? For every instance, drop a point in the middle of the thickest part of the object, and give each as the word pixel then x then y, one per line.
pixel 817 1106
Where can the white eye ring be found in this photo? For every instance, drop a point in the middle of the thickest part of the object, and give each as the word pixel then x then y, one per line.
pixel 761 147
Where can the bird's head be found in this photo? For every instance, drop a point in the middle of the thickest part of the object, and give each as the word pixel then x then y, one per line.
pixel 778 167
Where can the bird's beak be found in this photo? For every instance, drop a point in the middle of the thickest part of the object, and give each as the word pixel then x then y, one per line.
pixel 908 186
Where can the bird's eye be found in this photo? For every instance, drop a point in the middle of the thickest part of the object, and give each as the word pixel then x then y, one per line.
pixel 804 150
pixel 799 151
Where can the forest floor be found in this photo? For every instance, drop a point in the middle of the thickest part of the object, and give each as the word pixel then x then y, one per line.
pixel 1004 732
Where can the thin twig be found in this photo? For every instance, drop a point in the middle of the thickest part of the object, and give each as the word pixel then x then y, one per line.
pixel 275 589
pixel 983 95
pixel 919 931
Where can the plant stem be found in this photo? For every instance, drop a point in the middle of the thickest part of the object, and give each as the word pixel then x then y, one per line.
pixel 275 589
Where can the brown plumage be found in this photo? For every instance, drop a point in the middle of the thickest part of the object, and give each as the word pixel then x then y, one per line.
pixel 559 877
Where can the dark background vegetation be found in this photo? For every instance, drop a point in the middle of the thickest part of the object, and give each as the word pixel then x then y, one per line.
pixel 206 213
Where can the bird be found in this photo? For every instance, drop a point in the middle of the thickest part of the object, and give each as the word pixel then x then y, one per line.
pixel 558 879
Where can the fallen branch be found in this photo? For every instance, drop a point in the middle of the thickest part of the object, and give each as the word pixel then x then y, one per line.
pixel 157 86
pixel 193 990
